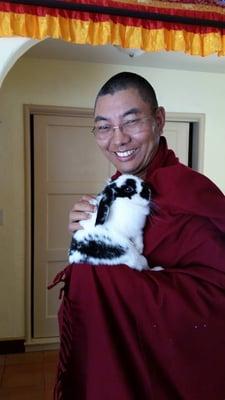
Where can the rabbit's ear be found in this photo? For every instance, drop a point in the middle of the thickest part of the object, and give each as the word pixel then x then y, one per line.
pixel 104 206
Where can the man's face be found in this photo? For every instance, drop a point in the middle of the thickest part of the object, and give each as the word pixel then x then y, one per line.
pixel 128 152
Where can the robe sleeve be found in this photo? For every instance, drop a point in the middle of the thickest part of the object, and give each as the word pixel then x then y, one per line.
pixel 141 335
pixel 148 335
pixel 185 241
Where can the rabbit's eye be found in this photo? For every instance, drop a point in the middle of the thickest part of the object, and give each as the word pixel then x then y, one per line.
pixel 128 189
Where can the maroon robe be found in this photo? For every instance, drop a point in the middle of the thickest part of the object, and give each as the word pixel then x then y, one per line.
pixel 130 335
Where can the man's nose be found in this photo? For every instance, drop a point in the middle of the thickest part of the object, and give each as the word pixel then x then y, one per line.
pixel 119 137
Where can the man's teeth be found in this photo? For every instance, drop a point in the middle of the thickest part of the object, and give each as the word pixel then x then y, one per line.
pixel 124 153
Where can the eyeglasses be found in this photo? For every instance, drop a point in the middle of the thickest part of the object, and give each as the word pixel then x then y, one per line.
pixel 130 127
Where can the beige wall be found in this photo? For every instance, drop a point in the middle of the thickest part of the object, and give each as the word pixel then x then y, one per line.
pixel 75 84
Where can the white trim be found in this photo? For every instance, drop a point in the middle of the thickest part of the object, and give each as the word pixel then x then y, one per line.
pixel 42 344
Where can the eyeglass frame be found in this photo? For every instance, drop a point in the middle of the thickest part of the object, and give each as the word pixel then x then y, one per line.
pixel 120 126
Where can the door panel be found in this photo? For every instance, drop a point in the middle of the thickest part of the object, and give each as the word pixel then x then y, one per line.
pixel 67 164
pixel 177 136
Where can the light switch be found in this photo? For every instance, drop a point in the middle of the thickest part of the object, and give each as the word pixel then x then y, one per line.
pixel 1 217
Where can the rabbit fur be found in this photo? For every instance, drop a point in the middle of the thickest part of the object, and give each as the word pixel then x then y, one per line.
pixel 114 233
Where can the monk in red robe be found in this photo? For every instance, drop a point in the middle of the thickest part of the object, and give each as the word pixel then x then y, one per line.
pixel 130 335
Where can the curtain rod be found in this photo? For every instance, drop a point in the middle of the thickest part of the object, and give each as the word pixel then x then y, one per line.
pixel 120 12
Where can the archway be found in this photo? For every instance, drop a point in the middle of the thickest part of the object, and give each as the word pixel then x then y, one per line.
pixel 11 49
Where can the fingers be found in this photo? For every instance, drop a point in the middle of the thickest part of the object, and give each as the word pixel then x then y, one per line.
pixel 80 211
pixel 74 226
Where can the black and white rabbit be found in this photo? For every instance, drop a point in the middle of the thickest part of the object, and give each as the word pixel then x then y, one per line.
pixel 114 233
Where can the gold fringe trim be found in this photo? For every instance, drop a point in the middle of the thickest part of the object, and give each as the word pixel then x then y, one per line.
pixel 104 33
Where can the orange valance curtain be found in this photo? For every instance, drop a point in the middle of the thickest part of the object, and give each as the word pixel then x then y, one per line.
pixel 195 27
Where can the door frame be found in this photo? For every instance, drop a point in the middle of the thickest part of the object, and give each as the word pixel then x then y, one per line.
pixel 198 121
pixel 32 344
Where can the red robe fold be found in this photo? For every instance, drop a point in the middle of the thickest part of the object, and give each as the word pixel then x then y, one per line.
pixel 130 335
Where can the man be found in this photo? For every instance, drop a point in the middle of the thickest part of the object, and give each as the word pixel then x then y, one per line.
pixel 123 104
pixel 148 335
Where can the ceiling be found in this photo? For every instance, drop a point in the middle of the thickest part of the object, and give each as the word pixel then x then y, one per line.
pixel 58 49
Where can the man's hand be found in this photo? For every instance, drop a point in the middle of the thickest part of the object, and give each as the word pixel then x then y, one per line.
pixel 80 211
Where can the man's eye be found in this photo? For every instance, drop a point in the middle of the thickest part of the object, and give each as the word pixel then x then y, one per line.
pixel 132 122
pixel 103 128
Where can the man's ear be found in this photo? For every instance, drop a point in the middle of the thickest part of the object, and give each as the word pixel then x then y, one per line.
pixel 160 117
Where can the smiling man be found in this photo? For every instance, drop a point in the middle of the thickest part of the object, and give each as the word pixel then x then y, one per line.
pixel 128 123
pixel 129 335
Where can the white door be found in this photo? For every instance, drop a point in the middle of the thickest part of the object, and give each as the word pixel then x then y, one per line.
pixel 67 164
pixel 177 136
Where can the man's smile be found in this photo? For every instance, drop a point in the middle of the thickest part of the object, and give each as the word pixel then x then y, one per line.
pixel 125 154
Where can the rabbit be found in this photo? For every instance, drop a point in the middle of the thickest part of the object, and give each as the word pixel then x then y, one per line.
pixel 114 233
